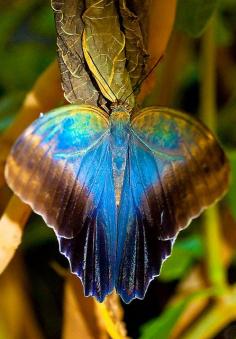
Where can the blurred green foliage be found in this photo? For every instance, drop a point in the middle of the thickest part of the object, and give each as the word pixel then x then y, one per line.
pixel 26 32
pixel 231 196
pixel 164 324
pixel 193 15
pixel 186 251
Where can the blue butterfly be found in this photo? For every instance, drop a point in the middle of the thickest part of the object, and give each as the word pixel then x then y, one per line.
pixel 117 189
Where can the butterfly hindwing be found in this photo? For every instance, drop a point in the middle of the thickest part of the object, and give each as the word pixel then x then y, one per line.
pixel 175 168
pixel 90 251
pixel 140 253
pixel 61 166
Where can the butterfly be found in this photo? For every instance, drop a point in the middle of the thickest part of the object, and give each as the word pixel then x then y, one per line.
pixel 117 188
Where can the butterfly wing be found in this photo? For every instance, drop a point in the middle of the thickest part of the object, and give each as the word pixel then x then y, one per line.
pixel 61 166
pixel 175 169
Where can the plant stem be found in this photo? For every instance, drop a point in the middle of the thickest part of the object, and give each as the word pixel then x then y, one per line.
pixel 215 319
pixel 211 222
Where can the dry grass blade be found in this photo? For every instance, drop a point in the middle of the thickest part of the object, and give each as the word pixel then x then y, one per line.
pixel 111 314
pixel 89 318
pixel 12 224
pixel 16 311
pixel 45 94
pixel 79 313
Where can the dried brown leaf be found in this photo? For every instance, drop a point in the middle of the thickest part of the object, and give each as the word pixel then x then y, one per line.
pixel 76 82
pixel 80 316
pixel 142 10
pixel 135 51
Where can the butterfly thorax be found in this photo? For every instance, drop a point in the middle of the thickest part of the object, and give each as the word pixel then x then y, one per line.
pixel 119 132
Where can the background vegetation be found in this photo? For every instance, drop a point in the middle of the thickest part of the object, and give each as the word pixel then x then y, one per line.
pixel 195 296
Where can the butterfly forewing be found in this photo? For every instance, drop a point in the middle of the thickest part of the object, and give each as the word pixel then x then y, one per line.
pixel 61 166
pixel 193 169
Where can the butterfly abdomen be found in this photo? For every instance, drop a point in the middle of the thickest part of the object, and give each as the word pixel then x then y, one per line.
pixel 119 132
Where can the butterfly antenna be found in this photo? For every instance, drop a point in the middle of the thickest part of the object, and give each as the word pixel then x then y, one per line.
pixel 139 82
pixel 102 78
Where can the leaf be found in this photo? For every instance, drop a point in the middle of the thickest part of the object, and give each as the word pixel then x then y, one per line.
pixel 162 16
pixel 142 10
pixel 192 15
pixel 183 255
pixel 12 223
pixel 76 82
pixel 20 64
pixel 231 196
pixel 42 23
pixel 104 50
pixel 224 36
pixel 135 51
pixel 227 122
pixel 37 233
pixel 162 326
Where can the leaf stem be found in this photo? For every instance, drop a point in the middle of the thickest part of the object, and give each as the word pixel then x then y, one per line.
pixel 211 222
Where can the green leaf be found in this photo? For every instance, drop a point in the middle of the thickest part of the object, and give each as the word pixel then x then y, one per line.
pixel 227 120
pixel 21 64
pixel 184 253
pixel 37 233
pixel 42 23
pixel 192 15
pixel 224 35
pixel 162 326
pixel 231 196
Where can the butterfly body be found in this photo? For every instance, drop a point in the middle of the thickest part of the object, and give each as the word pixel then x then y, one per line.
pixel 117 189
pixel 119 139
